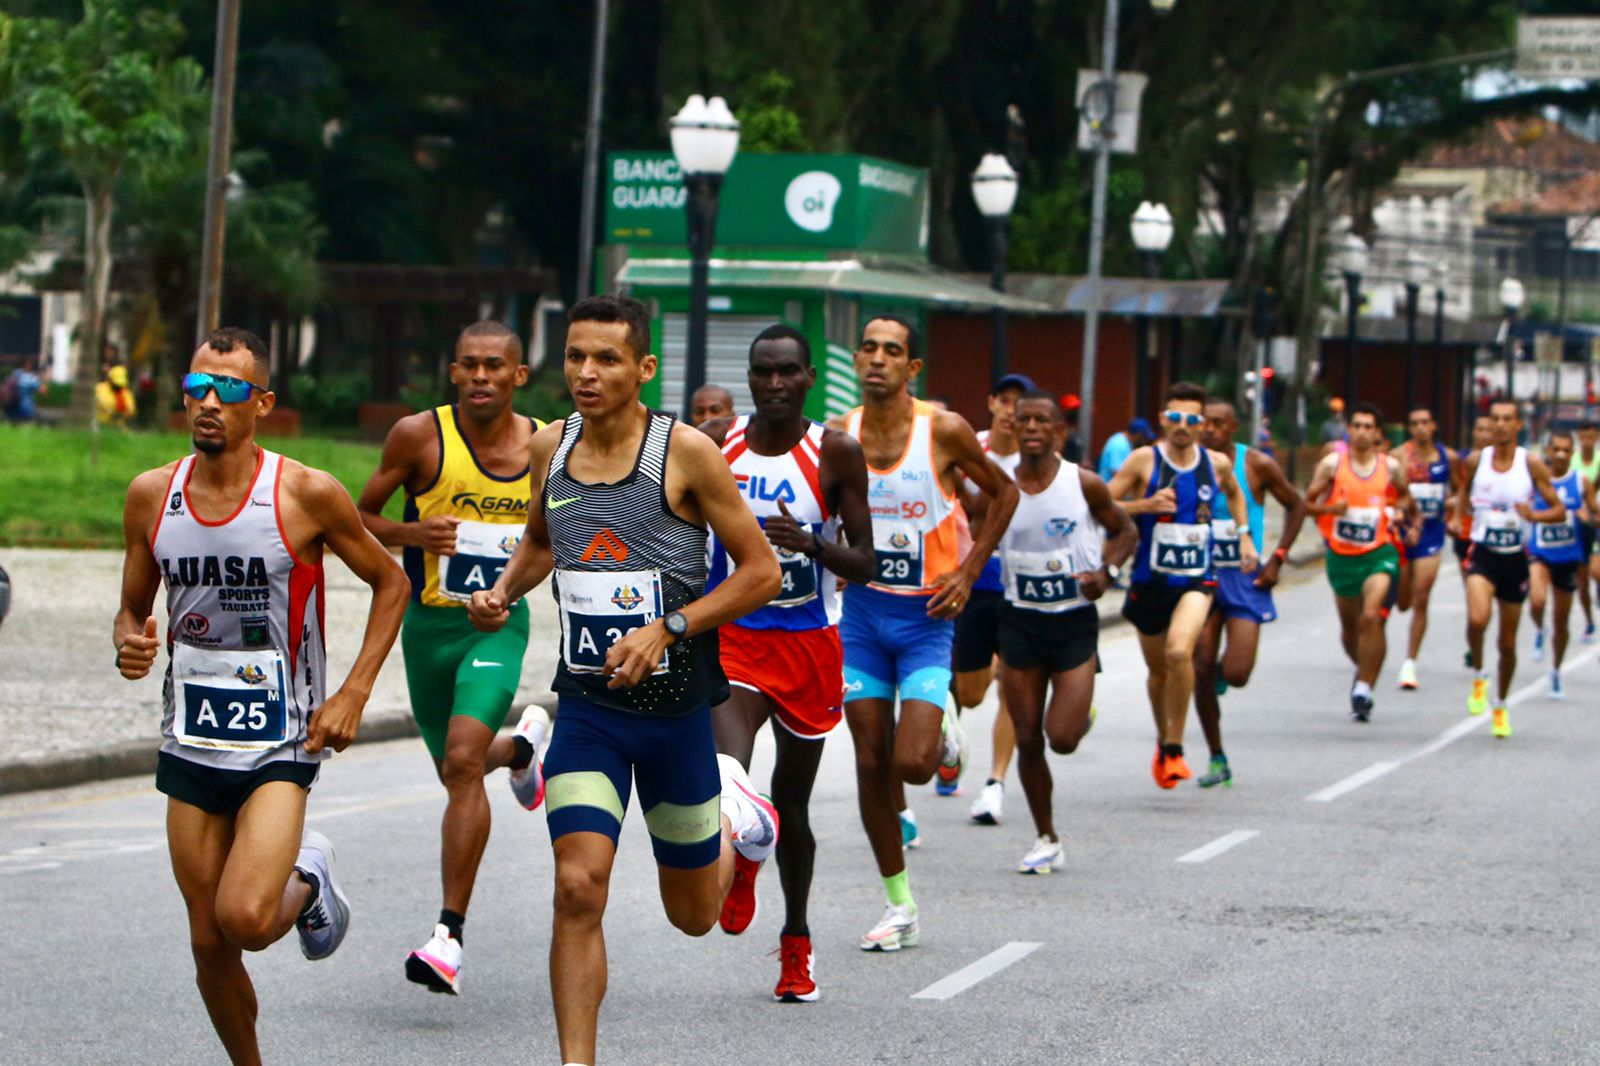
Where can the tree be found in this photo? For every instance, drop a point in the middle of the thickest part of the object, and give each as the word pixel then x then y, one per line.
pixel 105 97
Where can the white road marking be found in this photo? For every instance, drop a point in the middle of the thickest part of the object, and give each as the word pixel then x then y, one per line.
pixel 374 805
pixel 1442 741
pixel 1226 842
pixel 983 969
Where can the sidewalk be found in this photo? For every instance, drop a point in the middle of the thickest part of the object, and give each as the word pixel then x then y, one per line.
pixel 69 717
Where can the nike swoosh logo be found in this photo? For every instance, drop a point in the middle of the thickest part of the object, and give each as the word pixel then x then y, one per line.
pixel 480 662
pixel 562 503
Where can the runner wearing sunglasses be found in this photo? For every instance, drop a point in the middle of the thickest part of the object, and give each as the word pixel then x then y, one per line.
pixel 239 535
pixel 1174 489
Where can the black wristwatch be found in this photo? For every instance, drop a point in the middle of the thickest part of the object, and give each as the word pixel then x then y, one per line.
pixel 677 625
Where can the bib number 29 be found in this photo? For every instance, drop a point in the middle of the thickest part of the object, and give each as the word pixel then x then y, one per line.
pixel 895 568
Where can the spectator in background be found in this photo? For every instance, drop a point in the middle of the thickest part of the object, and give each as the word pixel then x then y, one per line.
pixel 1072 448
pixel 708 402
pixel 1264 438
pixel 1121 445
pixel 19 391
pixel 1333 429
pixel 114 404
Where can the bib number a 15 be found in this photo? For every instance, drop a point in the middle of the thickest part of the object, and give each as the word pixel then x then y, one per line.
pixel 482 550
pixel 599 609
pixel 1430 499
pixel 1180 549
pixel 1550 535
pixel 229 700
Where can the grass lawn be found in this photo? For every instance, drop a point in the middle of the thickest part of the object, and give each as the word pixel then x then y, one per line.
pixel 53 494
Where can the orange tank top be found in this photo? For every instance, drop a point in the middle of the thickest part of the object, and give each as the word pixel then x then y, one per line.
pixel 1364 527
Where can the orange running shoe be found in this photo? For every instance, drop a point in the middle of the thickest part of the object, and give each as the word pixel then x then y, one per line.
pixel 1158 770
pixel 1177 769
pixel 741 906
pixel 798 983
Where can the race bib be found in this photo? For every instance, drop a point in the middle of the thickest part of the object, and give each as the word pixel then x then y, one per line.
pixel 1552 535
pixel 1224 544
pixel 1180 549
pixel 1042 581
pixel 799 579
pixel 898 546
pixel 599 609
pixel 1502 531
pixel 1430 499
pixel 1358 526
pixel 482 549
pixel 229 700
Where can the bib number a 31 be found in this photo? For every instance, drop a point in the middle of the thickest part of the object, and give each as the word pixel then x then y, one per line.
pixel 229 701
pixel 599 609
pixel 1043 581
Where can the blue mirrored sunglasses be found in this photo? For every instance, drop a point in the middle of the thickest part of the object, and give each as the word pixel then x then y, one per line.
pixel 229 390
pixel 1175 417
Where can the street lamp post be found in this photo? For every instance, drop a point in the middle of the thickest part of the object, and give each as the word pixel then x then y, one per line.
pixel 994 187
pixel 1440 271
pixel 1353 264
pixel 1416 272
pixel 1511 297
pixel 705 138
pixel 1152 234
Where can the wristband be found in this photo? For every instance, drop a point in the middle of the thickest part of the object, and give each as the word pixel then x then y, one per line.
pixel 816 545
pixel 1280 554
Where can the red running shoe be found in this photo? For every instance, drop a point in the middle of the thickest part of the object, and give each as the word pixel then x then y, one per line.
pixel 798 983
pixel 741 906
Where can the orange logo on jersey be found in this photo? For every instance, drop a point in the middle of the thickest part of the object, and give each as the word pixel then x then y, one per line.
pixel 605 543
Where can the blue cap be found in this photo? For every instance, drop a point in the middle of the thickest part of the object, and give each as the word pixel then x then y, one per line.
pixel 1013 381
pixel 1141 427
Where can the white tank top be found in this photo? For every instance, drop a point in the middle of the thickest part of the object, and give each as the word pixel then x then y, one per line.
pixel 809 598
pixel 917 528
pixel 245 629
pixel 1495 495
pixel 1052 537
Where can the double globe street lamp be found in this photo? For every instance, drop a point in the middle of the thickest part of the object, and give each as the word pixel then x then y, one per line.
pixel 994 188
pixel 1415 269
pixel 705 138
pixel 1152 236
pixel 1512 296
pixel 1352 264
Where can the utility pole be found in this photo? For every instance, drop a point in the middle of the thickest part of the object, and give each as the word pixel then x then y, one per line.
pixel 1097 228
pixel 591 153
pixel 209 309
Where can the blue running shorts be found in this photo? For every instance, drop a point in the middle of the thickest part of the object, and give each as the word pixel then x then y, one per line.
pixel 597 753
pixel 890 643
pixel 1431 542
pixel 1238 597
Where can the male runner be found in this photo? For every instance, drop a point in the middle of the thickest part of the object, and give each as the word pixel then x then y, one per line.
pixel 1430 471
pixel 783 661
pixel 709 402
pixel 1501 482
pixel 897 629
pixel 1054 571
pixel 1556 557
pixel 238 534
pixel 1175 489
pixel 464 468
pixel 620 498
pixel 1350 493
pixel 977 632
pixel 1587 462
pixel 1243 603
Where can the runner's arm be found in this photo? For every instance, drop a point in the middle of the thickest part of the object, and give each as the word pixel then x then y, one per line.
pixel 954 438
pixel 1133 474
pixel 531 561
pixel 1294 513
pixel 1589 509
pixel 133 630
pixel 717 429
pixel 844 486
pixel 1321 487
pixel 1223 467
pixel 341 531
pixel 1402 494
pixel 1466 470
pixel 1557 511
pixel 1121 534
pixel 408 440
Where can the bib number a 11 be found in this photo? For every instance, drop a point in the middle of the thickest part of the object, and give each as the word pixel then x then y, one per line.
pixel 1180 549
pixel 599 609
pixel 229 700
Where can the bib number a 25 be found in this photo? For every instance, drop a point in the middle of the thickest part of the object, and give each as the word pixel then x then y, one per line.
pixel 229 701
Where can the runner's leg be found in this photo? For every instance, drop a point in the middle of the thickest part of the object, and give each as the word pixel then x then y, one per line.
pixel 1538 591
pixel 1154 649
pixel 464 829
pixel 873 732
pixel 1480 606
pixel 1024 690
pixel 1510 616
pixel 1561 607
pixel 1239 655
pixel 1425 572
pixel 1372 644
pixel 577 940
pixel 1067 716
pixel 918 742
pixel 1207 705
pixel 736 722
pixel 793 774
pixel 1349 608
pixel 1187 619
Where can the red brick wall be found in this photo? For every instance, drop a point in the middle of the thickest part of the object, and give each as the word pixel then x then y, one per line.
pixel 1381 379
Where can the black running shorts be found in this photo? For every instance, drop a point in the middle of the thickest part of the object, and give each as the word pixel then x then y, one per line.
pixel 1563 576
pixel 224 791
pixel 1507 571
pixel 1057 642
pixel 1149 606
pixel 977 638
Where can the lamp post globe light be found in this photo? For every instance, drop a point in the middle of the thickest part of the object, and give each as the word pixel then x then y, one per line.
pixel 994 189
pixel 1151 227
pixel 1415 270
pixel 1512 296
pixel 1352 264
pixel 705 138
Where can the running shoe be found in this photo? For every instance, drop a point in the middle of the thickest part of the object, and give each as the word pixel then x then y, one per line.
pixel 989 805
pixel 437 964
pixel 955 751
pixel 1478 702
pixel 1221 685
pixel 1408 675
pixel 895 930
pixel 527 784
pixel 1588 633
pixel 941 787
pixel 1555 692
pixel 910 834
pixel 1538 645
pixel 1466 658
pixel 741 905
pixel 1176 769
pixel 1158 769
pixel 1042 858
pixel 1217 774
pixel 1360 708
pixel 1502 723
pixel 798 984
pixel 326 917
pixel 752 816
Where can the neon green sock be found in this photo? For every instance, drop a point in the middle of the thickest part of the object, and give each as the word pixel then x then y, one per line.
pixel 898 888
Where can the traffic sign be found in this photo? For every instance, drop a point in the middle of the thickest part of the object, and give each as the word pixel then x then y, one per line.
pixel 1556 48
pixel 1096 118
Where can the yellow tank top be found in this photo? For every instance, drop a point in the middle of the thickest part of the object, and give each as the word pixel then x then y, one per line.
pixel 493 511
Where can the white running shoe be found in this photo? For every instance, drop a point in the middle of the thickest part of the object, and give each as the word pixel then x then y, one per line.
pixel 1045 856
pixel 437 964
pixel 895 930
pixel 1408 675
pixel 527 784
pixel 910 832
pixel 990 804
pixel 1538 645
pixel 753 818
pixel 326 918
pixel 954 756
pixel 1555 686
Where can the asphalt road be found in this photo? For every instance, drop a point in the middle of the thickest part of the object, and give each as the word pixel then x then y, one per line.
pixel 1432 903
